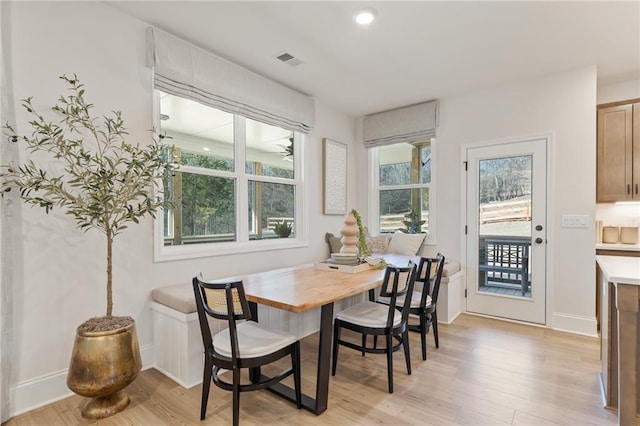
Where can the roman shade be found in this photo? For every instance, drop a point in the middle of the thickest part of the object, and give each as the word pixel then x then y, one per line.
pixel 408 124
pixel 183 69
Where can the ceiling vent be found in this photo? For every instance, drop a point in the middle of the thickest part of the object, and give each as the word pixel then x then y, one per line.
pixel 289 59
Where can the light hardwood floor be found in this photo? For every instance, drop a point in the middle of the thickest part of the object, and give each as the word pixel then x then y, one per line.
pixel 486 372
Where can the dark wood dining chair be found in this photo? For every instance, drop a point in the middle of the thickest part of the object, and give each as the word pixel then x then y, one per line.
pixel 371 318
pixel 244 344
pixel 424 301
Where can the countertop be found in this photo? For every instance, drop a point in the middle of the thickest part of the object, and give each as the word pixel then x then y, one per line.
pixel 622 247
pixel 620 269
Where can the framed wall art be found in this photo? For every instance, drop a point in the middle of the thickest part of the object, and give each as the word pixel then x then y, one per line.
pixel 334 176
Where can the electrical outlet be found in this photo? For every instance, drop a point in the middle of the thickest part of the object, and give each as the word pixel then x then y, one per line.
pixel 574 221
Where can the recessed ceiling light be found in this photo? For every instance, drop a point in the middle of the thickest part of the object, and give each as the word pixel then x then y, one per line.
pixel 206 149
pixel 365 16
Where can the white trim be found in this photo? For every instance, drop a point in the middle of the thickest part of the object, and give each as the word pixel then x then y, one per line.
pixel 463 219
pixel 575 324
pixel 549 140
pixel 241 178
pixel 433 194
pixel 550 226
pixel 49 388
pixel 302 197
pixel 373 158
pixel 195 251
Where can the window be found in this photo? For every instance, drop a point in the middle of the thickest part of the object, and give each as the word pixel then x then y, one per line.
pixel 402 180
pixel 238 179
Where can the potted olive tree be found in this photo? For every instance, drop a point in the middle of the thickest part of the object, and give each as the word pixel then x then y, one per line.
pixel 105 184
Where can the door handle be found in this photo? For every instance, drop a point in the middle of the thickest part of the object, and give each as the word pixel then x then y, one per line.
pixel 636 189
pixel 628 189
pixel 538 240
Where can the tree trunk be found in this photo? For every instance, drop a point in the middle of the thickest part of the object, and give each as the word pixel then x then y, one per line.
pixel 109 271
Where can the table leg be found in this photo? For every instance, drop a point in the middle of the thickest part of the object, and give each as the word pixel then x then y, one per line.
pixel 324 358
pixel 253 309
pixel 254 373
pixel 319 404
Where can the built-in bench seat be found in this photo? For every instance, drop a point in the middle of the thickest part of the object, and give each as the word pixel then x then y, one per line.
pixel 177 342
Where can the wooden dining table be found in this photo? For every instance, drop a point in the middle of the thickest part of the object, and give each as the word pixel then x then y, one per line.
pixel 302 288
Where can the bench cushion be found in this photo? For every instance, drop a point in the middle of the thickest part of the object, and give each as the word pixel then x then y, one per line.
pixel 179 297
pixel 450 268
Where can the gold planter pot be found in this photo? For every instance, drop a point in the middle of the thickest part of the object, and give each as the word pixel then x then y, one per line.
pixel 102 364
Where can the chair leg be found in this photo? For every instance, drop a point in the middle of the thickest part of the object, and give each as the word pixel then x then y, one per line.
pixel 206 385
pixel 434 323
pixel 364 343
pixel 375 341
pixel 236 396
pixel 407 354
pixel 390 361
pixel 423 335
pixel 295 360
pixel 336 337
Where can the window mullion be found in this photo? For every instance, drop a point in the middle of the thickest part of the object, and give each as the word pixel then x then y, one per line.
pixel 301 201
pixel 374 189
pixel 242 183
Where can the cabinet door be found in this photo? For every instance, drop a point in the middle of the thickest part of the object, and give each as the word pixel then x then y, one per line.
pixel 615 153
pixel 636 151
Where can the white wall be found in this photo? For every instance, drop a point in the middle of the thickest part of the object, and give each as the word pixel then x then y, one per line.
pixel 59 270
pixel 621 91
pixel 562 105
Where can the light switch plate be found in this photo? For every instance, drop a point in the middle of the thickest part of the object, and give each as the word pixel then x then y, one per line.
pixel 574 221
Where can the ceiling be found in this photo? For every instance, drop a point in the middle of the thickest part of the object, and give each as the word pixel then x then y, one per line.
pixel 415 51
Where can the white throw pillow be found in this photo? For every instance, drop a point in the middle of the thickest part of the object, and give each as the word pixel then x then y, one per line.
pixel 407 244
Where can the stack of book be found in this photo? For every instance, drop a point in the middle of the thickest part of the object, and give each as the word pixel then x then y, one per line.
pixel 343 259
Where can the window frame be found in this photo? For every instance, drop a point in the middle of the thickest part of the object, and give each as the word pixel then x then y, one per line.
pixel 162 253
pixel 373 164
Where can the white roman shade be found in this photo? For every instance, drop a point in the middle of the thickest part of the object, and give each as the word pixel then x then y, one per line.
pixel 183 69
pixel 408 124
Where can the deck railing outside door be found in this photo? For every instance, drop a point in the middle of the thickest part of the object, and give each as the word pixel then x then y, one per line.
pixel 504 260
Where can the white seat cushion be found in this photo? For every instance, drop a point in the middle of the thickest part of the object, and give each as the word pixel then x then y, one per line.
pixel 415 300
pixel 369 314
pixel 253 340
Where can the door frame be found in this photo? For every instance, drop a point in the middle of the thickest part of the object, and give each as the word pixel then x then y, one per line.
pixel 550 208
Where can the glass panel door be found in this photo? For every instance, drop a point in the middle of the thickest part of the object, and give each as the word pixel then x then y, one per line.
pixel 506 236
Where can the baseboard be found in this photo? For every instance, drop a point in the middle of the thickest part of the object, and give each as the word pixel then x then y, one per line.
pixel 177 379
pixel 451 320
pixel 586 326
pixel 38 392
pixel 44 390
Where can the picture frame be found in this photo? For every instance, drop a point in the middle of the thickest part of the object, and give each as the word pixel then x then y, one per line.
pixel 334 177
